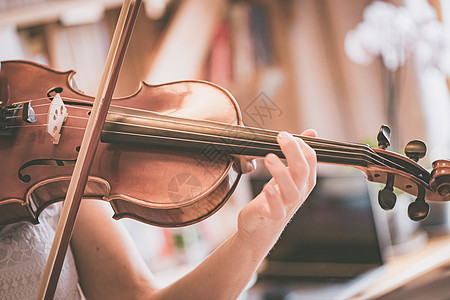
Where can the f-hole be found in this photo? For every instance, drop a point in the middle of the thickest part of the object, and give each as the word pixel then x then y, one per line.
pixel 51 93
pixel 43 162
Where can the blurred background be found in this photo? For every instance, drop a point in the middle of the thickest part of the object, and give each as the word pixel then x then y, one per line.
pixel 342 67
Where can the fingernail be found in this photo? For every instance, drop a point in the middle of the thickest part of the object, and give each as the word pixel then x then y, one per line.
pixel 271 158
pixel 270 190
pixel 283 135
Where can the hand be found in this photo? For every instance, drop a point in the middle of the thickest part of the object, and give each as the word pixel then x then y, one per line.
pixel 263 219
pixel 244 164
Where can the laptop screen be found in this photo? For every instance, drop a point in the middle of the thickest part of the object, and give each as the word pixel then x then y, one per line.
pixel 334 234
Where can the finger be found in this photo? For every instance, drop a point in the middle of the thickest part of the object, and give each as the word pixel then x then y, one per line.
pixel 311 159
pixel 302 162
pixel 309 132
pixel 283 178
pixel 275 203
pixel 293 151
pixel 244 164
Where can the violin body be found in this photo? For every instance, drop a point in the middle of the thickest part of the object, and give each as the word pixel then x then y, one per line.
pixel 160 186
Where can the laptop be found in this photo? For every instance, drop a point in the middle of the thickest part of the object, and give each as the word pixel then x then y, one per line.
pixel 335 245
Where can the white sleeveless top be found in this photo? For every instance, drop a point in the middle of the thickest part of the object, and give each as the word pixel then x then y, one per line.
pixel 24 250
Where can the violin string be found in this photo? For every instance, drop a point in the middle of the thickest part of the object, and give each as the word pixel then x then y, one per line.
pixel 366 153
pixel 15 117
pixel 24 126
pixel 256 131
pixel 46 114
pixel 321 152
pixel 19 108
pixel 324 153
pixel 63 98
pixel 39 125
pixel 362 150
pixel 204 135
pixel 261 145
pixel 48 104
pixel 267 146
pixel 340 153
pixel 233 128
pixel 265 133
pixel 275 147
pixel 28 100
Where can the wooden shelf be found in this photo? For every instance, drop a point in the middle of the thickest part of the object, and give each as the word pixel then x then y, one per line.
pixel 47 12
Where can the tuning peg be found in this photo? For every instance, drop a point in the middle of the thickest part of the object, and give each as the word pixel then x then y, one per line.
pixel 419 209
pixel 415 150
pixel 384 137
pixel 387 199
pixel 386 196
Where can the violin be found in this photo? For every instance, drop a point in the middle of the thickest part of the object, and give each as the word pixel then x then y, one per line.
pixel 167 151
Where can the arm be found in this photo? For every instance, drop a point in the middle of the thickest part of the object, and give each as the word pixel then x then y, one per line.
pixel 110 268
pixel 108 264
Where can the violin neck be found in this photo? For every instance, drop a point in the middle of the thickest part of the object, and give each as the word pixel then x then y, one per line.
pixel 214 139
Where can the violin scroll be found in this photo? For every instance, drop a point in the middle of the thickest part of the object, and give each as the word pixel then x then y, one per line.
pixel 440 177
pixel 404 173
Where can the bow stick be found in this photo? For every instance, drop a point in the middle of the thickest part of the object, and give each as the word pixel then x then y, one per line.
pixel 91 138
